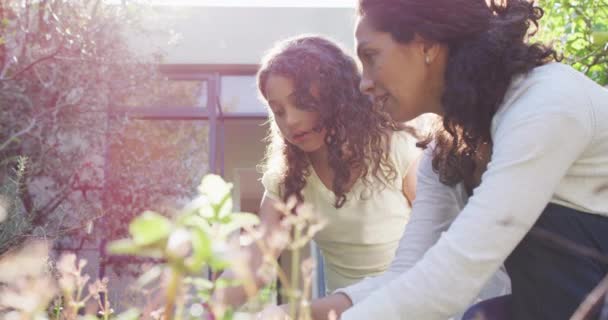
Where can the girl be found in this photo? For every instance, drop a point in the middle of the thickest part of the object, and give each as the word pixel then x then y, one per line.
pixel 329 146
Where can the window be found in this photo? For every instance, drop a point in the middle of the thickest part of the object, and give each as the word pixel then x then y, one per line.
pixel 239 96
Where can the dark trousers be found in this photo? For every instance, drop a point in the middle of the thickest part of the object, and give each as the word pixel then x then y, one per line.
pixel 549 280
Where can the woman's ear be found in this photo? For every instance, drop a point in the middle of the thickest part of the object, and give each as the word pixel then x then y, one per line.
pixel 429 49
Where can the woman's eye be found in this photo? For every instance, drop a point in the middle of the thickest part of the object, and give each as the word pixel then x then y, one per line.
pixel 368 56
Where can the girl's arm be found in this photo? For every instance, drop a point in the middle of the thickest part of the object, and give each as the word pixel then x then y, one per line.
pixel 270 220
pixel 409 181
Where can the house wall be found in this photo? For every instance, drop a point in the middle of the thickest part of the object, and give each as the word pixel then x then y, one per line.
pixel 244 150
pixel 236 35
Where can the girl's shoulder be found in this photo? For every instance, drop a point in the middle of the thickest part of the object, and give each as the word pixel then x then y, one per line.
pixel 403 150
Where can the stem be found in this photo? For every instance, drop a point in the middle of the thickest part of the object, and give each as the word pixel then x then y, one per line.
pixel 78 293
pixel 305 311
pixel 57 312
pixel 69 304
pixel 295 279
pixel 106 307
pixel 179 309
pixel 266 252
pixel 172 288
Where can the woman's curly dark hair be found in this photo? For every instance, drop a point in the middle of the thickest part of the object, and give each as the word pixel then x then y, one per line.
pixel 358 135
pixel 487 48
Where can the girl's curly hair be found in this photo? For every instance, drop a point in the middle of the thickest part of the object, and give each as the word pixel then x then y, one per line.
pixel 358 135
pixel 487 48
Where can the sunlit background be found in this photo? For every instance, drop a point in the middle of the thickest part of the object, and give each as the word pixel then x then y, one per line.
pixel 247 3
pixel 112 107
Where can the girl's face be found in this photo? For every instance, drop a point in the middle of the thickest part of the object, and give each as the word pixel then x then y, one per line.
pixel 300 127
pixel 395 74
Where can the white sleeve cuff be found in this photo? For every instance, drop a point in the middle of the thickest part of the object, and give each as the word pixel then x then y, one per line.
pixel 377 306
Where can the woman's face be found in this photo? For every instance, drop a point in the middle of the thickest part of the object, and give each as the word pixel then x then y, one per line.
pixel 296 125
pixel 395 74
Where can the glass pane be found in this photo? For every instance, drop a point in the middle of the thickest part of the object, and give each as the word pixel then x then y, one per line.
pixel 169 93
pixel 240 95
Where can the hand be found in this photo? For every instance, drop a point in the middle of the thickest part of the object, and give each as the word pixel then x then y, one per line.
pixel 273 313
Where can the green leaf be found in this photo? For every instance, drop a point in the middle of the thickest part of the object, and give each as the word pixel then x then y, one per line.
pixel 194 206
pixel 200 283
pixel 215 188
pixel 223 283
pixel 197 222
pixel 599 37
pixel 131 314
pixel 123 246
pixel 150 228
pixel 218 264
pixel 129 247
pixel 225 207
pixel 228 314
pixel 238 221
pixel 207 212
pixel 151 275
pixel 201 251
pixel 202 286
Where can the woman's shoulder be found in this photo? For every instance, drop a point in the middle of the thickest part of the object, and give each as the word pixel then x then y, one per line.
pixel 553 88
pixel 552 82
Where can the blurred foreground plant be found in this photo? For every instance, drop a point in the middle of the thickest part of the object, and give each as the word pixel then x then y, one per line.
pixel 201 237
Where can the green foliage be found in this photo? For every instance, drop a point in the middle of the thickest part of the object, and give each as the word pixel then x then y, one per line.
pixel 149 228
pixel 579 30
pixel 190 242
pixel 14 221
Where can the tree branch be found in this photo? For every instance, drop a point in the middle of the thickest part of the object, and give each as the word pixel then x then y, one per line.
pixel 31 65
pixel 43 212
pixel 28 202
pixel 95 8
pixel 18 134
pixel 31 125
pixel 3 44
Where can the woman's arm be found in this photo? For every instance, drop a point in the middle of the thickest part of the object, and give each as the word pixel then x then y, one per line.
pixel 532 151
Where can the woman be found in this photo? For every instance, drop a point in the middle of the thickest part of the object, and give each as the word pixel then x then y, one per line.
pixel 521 158
pixel 331 148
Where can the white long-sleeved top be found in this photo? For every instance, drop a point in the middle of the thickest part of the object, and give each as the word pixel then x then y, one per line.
pixel 550 144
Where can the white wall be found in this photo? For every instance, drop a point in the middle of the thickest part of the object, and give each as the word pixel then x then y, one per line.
pixel 236 35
